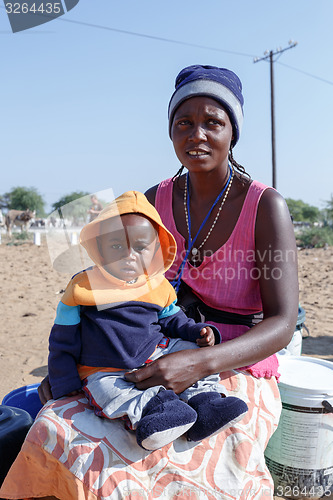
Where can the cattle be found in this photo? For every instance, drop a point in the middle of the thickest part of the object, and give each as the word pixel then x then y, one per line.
pixel 40 223
pixel 18 218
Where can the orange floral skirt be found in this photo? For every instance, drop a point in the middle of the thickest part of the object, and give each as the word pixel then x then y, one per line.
pixel 72 454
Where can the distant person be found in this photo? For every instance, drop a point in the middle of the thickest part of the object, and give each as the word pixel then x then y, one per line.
pixel 120 315
pixel 95 208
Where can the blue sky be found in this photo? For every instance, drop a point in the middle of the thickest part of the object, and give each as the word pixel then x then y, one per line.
pixel 84 108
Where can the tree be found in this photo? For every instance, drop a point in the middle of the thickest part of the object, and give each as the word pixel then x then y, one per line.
pixel 302 212
pixel 68 198
pixel 329 208
pixel 21 198
pixel 328 212
pixel 4 201
pixel 73 205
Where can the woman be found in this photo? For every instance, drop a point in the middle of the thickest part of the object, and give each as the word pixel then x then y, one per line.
pixel 236 268
pixel 258 274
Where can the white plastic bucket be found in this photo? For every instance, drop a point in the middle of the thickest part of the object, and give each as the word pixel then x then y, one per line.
pixel 299 455
pixel 295 345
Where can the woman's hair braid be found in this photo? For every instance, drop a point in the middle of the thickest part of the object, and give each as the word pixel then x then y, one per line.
pixel 237 166
pixel 178 174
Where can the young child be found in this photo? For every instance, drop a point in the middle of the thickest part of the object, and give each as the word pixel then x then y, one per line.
pixel 122 313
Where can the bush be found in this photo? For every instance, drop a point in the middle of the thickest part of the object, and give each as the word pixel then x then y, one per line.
pixel 302 212
pixel 317 237
pixel 21 198
pixel 22 235
pixel 19 238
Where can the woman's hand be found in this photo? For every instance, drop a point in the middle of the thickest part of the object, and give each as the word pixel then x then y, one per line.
pixel 44 390
pixel 176 371
pixel 208 337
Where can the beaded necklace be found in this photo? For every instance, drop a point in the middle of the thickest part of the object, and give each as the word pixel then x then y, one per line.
pixel 194 250
pixel 225 190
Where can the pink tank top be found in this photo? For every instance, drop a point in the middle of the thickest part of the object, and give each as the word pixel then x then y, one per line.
pixel 228 279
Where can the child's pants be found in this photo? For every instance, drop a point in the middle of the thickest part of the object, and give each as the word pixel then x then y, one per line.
pixel 113 396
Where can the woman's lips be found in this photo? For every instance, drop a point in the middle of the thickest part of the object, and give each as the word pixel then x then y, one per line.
pixel 197 153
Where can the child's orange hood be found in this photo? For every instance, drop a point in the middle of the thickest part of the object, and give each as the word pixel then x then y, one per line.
pixel 131 202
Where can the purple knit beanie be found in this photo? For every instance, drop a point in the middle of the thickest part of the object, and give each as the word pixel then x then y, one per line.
pixel 218 83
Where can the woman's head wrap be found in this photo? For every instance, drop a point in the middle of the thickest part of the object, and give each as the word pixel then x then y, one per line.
pixel 218 83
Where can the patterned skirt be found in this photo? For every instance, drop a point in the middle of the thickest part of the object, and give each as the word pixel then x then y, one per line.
pixel 72 454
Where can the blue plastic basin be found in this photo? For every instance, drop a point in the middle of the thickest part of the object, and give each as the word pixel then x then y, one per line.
pixel 26 398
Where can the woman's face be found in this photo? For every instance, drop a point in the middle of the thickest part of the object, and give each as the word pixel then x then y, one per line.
pixel 201 133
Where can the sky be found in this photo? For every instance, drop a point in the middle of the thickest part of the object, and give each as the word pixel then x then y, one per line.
pixel 84 98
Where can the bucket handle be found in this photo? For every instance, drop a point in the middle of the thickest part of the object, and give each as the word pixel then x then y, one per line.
pixel 327 405
pixel 304 327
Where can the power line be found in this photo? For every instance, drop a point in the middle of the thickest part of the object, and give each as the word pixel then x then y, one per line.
pixel 306 73
pixel 152 37
pixel 161 39
pixel 189 44
pixel 179 42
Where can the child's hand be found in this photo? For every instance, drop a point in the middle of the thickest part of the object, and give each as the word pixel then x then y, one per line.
pixel 208 337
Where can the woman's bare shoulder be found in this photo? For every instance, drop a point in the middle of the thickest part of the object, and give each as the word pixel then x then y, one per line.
pixel 151 194
pixel 273 216
pixel 273 204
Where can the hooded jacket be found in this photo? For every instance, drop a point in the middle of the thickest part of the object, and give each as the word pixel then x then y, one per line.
pixel 103 322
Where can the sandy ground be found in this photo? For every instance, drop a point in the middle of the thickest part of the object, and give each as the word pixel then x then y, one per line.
pixel 30 290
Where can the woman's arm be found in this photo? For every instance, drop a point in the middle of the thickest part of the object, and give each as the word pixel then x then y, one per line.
pixel 276 267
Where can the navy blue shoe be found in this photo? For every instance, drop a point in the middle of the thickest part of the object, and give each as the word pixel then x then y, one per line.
pixel 214 413
pixel 164 418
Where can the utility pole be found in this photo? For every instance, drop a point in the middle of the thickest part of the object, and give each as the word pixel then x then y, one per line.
pixel 269 55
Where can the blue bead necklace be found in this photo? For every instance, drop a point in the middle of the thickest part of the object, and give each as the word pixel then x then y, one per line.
pixel 191 249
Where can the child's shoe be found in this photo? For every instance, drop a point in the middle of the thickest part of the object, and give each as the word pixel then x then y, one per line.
pixel 164 418
pixel 215 412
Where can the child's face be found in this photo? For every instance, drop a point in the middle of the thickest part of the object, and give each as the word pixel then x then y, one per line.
pixel 128 252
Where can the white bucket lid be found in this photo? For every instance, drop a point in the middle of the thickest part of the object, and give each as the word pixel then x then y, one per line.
pixel 311 375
